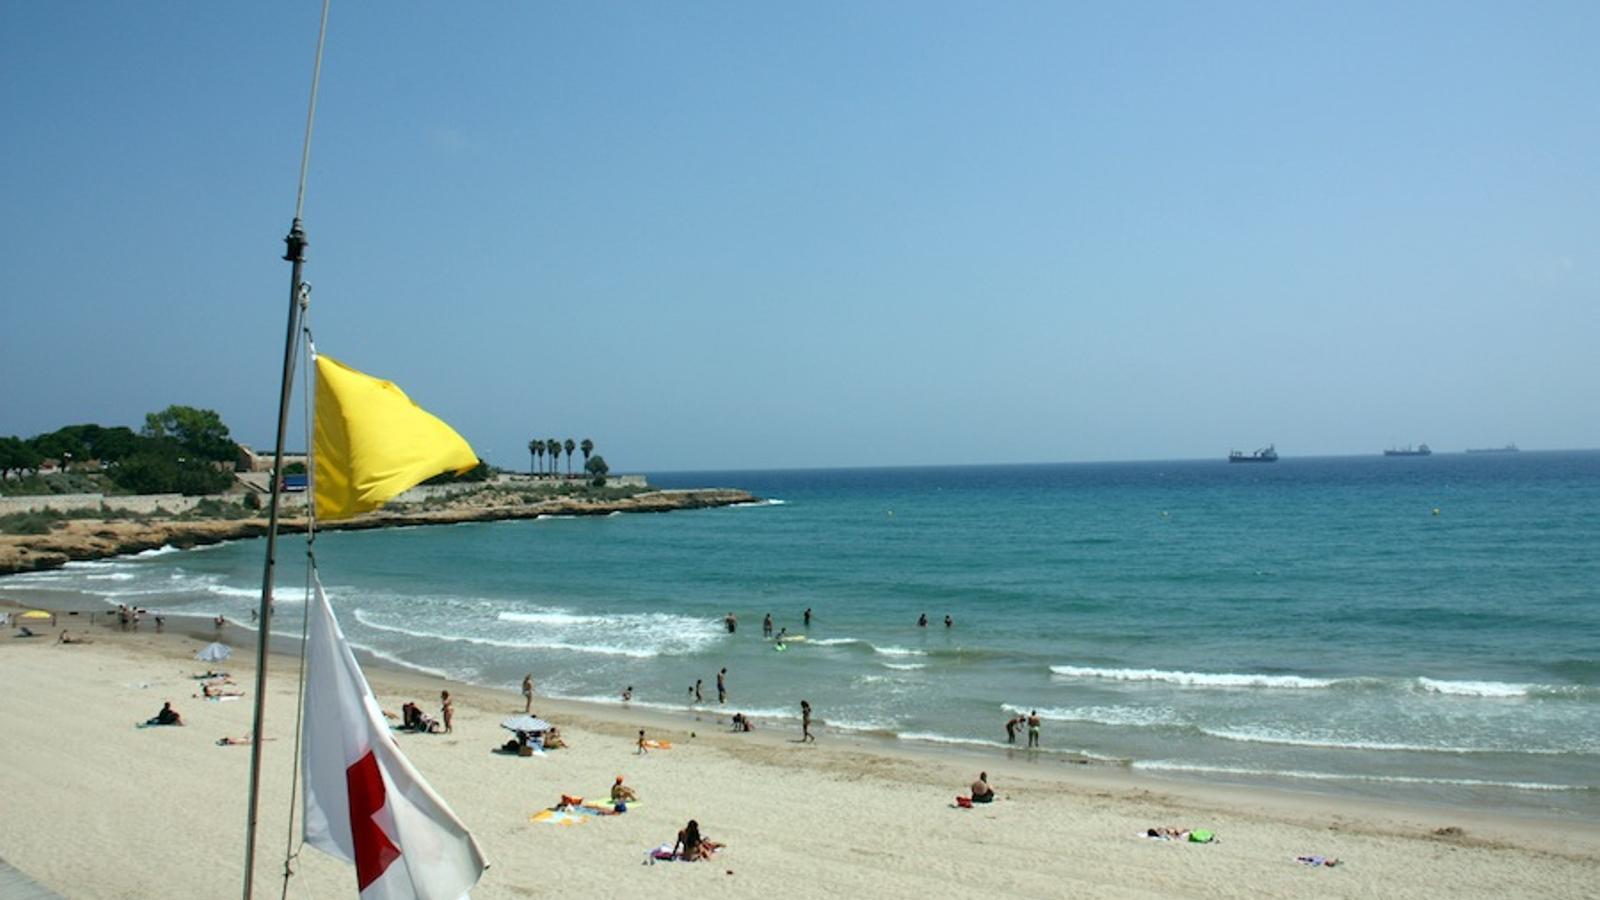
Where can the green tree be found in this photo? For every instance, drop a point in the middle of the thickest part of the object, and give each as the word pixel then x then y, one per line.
pixel 570 446
pixel 587 446
pixel 555 454
pixel 199 432
pixel 18 455
pixel 597 469
pixel 533 455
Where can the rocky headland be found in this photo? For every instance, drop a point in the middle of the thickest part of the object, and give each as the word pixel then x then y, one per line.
pixel 85 539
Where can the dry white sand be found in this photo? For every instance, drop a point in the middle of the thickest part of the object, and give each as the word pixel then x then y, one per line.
pixel 90 806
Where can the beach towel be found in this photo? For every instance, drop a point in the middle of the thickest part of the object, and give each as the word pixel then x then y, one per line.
pixel 559 817
pixel 658 745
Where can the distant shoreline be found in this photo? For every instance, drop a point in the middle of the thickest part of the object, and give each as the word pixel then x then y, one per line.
pixel 91 539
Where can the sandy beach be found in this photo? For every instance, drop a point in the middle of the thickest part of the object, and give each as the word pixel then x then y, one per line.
pixel 96 807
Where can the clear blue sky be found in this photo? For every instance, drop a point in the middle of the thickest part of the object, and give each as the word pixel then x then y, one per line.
pixel 738 234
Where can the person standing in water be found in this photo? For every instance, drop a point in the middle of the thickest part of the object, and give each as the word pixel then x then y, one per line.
pixel 766 626
pixel 697 695
pixel 805 723
pixel 527 693
pixel 922 621
pixel 808 617
pixel 731 623
pixel 948 622
pixel 1011 729
pixel 722 685
pixel 1033 728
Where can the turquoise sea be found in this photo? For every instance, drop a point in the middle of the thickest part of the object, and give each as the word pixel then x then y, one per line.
pixel 1419 627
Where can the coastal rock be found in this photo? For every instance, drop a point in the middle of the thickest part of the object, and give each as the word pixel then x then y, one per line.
pixel 86 539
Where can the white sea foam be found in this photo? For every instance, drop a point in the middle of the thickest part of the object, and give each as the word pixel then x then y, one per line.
pixel 162 550
pixel 111 576
pixel 833 642
pixel 898 651
pixel 1121 716
pixel 904 667
pixel 1476 688
pixel 1161 765
pixel 1195 679
pixel 767 502
pixel 640 636
pixel 1272 736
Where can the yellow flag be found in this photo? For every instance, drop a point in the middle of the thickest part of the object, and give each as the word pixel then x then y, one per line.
pixel 372 442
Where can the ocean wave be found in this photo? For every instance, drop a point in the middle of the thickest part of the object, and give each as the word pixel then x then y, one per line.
pixel 833 642
pixel 365 619
pixel 767 502
pixel 111 576
pixel 1477 688
pixel 1117 716
pixel 1271 736
pixel 899 651
pixel 391 659
pixel 639 636
pixel 162 550
pixel 1162 765
pixel 1196 679
pixel 904 667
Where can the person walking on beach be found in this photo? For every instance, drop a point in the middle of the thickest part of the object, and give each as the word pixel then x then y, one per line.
pixel 805 723
pixel 731 623
pixel 766 626
pixel 1033 728
pixel 698 698
pixel 1011 729
pixel 627 693
pixel 808 617
pixel 447 711
pixel 642 748
pixel 527 693
pixel 722 685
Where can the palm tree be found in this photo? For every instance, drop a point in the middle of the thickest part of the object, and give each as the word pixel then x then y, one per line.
pixel 571 445
pixel 538 450
pixel 587 446
pixel 555 454
pixel 533 451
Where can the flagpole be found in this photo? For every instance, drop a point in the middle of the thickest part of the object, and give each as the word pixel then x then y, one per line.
pixel 295 254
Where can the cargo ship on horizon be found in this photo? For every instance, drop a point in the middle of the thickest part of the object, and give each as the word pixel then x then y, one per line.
pixel 1509 448
pixel 1268 453
pixel 1421 450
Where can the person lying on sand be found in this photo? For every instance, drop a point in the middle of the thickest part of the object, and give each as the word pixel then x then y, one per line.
pixel 167 716
pixel 213 691
pixel 210 673
pixel 238 741
pixel 621 793
pixel 691 846
pixel 981 791
pixel 68 639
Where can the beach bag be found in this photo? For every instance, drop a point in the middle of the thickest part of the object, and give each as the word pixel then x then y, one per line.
pixel 567 800
pixel 1201 836
pixel 964 802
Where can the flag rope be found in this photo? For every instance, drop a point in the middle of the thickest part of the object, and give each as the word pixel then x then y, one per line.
pixel 308 407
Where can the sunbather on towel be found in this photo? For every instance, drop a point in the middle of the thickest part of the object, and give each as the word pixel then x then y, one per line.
pixel 691 846
pixel 621 793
